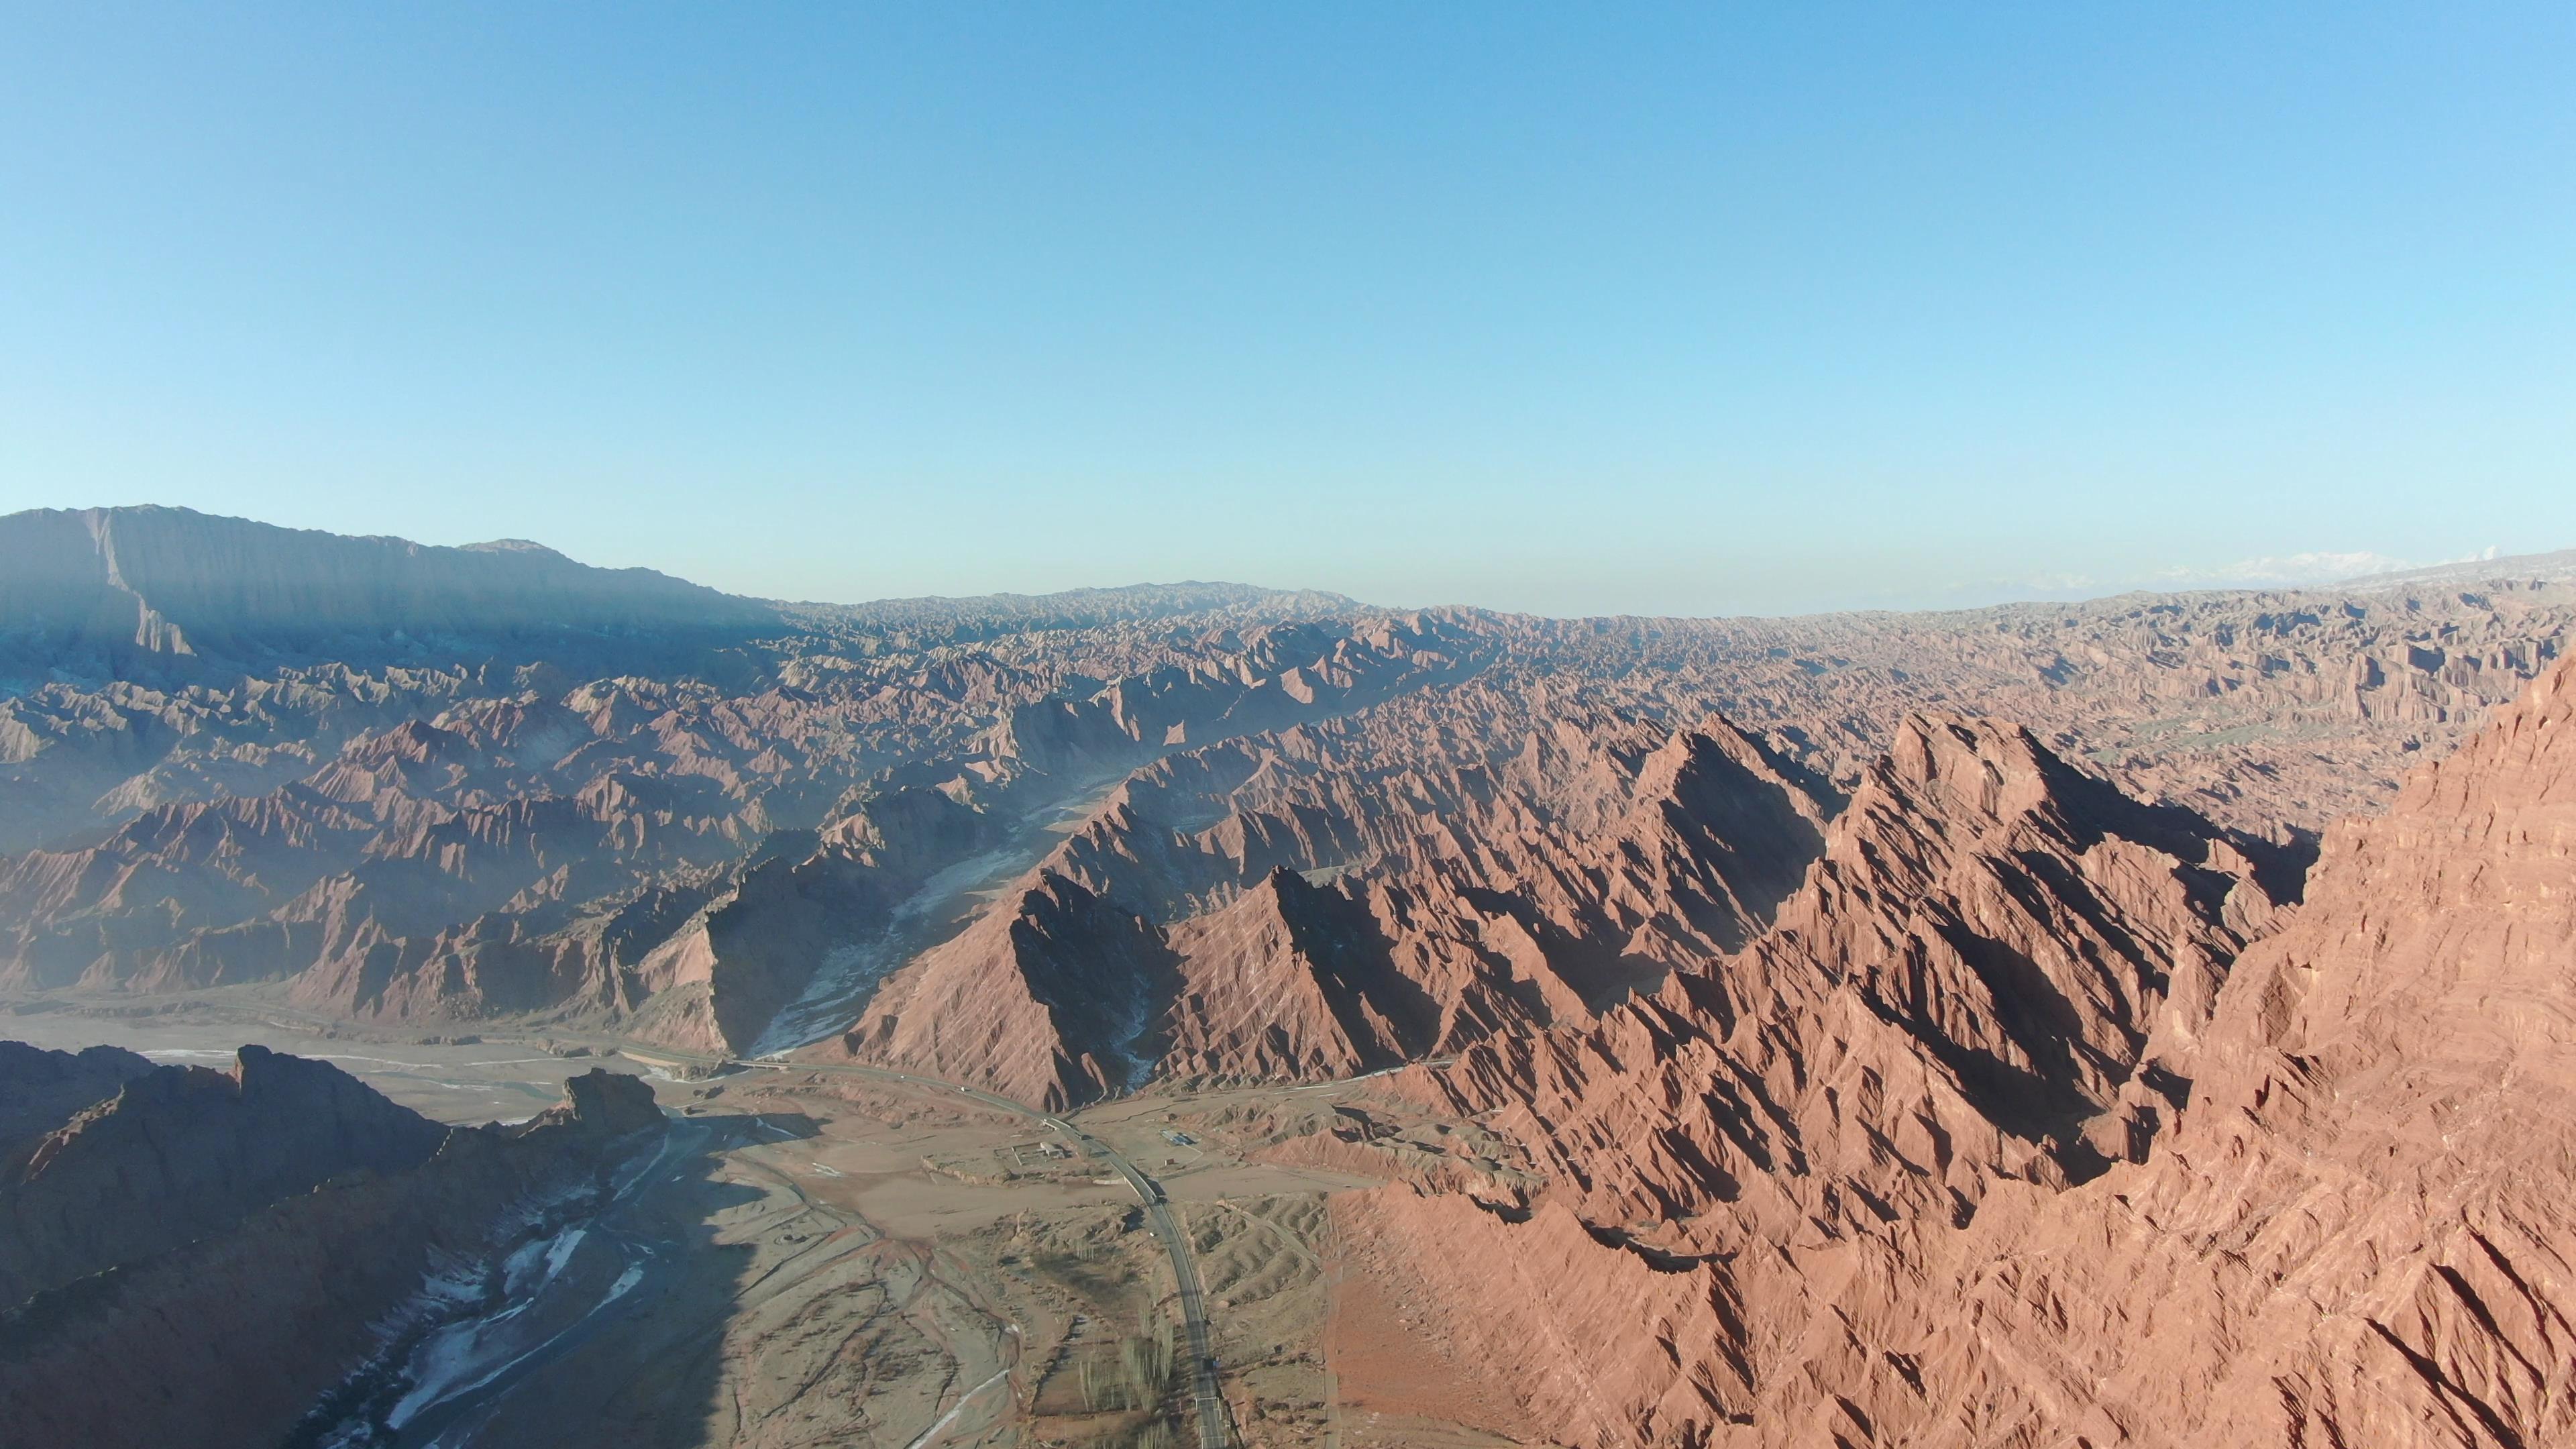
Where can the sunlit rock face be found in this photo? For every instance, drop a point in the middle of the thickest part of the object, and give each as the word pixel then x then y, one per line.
pixel 1792 1201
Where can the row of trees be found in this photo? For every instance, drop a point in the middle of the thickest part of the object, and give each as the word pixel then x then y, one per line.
pixel 1137 1376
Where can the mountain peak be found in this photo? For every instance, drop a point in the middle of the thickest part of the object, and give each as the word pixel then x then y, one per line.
pixel 512 545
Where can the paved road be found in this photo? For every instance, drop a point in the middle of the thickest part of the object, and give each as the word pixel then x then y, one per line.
pixel 1204 1394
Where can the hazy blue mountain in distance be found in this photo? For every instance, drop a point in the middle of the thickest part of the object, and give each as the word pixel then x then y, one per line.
pixel 2558 565
pixel 171 595
pixel 926 622
pixel 172 591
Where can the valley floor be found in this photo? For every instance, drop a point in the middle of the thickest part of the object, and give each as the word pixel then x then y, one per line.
pixel 821 1258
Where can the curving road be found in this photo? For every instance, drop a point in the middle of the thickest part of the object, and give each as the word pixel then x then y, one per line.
pixel 1205 1396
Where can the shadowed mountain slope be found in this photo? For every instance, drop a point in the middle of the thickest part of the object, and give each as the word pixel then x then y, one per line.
pixel 40 1089
pixel 199 1258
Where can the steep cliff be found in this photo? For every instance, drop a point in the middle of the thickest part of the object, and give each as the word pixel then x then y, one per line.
pixel 40 1090
pixel 2360 1230
pixel 1292 982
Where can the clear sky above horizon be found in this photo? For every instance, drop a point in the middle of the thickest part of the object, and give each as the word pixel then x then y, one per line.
pixel 1576 309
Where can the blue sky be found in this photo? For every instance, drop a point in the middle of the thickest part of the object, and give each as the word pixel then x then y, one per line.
pixel 1577 309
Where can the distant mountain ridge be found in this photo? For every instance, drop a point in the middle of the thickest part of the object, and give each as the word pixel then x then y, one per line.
pixel 156 585
pixel 932 620
pixel 153 582
pixel 2558 565
pixel 160 591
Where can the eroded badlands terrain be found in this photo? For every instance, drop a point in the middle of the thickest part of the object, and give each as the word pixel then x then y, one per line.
pixel 2141 1021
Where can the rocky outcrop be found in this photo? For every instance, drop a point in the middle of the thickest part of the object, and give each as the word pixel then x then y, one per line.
pixel 2345 1222
pixel 1291 982
pixel 1989 978
pixel 2054 944
pixel 2360 1230
pixel 1347 894
pixel 1625 845
pixel 599 1106
pixel 40 1090
pixel 180 1153
pixel 229 1337
pixel 1978 973
pixel 1050 1002
pixel 1491 864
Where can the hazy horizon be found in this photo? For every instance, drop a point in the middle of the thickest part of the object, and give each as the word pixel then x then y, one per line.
pixel 2312 570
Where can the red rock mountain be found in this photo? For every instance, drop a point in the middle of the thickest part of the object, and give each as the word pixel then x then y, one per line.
pixel 1870 1070
pixel 1292 981
pixel 1049 1001
pixel 2360 1230
pixel 399 783
pixel 1351 893
pixel 1792 1202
